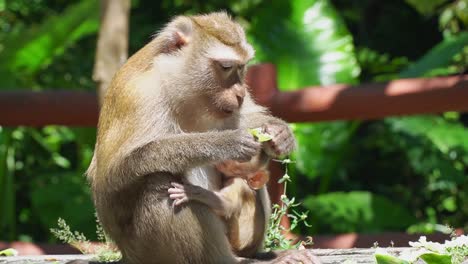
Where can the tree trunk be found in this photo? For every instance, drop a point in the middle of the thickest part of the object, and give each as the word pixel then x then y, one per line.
pixel 112 44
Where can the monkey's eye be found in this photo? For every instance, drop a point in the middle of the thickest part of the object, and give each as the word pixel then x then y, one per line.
pixel 226 65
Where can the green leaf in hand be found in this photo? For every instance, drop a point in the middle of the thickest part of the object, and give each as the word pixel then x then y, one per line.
pixel 259 135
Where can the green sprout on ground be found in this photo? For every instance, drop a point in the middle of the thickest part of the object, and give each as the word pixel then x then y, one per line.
pixel 105 251
pixel 9 252
pixel 275 238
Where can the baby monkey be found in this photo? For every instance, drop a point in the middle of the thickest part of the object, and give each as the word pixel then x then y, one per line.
pixel 238 201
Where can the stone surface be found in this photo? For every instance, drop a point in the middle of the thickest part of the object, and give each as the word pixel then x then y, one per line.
pixel 327 256
pixel 42 259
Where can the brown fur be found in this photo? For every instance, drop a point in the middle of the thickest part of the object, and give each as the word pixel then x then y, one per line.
pixel 248 223
pixel 245 210
pixel 148 138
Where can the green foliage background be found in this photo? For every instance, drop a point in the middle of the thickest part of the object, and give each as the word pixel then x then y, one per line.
pixel 397 174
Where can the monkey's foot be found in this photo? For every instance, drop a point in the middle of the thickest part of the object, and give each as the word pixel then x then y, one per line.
pixel 297 256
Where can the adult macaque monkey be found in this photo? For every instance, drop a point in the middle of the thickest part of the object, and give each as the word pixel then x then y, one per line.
pixel 176 108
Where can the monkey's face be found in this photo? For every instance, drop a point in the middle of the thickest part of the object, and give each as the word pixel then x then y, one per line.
pixel 227 66
pixel 230 89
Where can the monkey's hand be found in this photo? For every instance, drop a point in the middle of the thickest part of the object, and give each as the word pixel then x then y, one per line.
pixel 244 146
pixel 282 139
pixel 182 193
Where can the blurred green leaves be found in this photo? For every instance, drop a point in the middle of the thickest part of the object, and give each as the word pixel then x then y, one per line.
pixel 48 200
pixel 426 7
pixel 439 59
pixel 307 41
pixel 31 159
pixel 310 45
pixel 28 50
pixel 356 212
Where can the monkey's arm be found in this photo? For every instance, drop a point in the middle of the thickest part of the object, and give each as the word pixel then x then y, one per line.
pixel 254 115
pixel 180 152
pixel 232 168
pixel 225 203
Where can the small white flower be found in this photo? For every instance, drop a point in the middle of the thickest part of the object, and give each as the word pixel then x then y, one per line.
pixel 411 254
pixel 432 246
pixel 461 241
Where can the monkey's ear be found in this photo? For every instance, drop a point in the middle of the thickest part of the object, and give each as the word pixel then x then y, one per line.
pixel 258 179
pixel 181 39
pixel 176 35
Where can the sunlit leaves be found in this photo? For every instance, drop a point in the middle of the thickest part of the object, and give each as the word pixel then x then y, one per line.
pixel 309 44
pixel 307 41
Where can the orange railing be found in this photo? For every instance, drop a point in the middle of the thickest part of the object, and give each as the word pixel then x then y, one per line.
pixel 323 103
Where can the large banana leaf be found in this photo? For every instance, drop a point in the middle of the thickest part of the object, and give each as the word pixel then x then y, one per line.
pixel 29 51
pixel 307 41
pixel 309 44
pixel 438 59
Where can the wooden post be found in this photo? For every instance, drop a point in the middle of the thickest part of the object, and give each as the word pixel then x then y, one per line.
pixel 112 44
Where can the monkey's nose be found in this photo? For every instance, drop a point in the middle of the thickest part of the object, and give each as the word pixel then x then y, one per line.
pixel 240 99
pixel 239 91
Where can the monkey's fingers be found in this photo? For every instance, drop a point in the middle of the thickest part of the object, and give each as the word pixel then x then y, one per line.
pixel 175 196
pixel 180 201
pixel 287 146
pixel 175 191
pixel 282 143
pixel 177 185
pixel 272 129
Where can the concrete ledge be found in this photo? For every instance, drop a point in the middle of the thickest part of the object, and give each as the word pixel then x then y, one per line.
pixel 43 259
pixel 327 256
